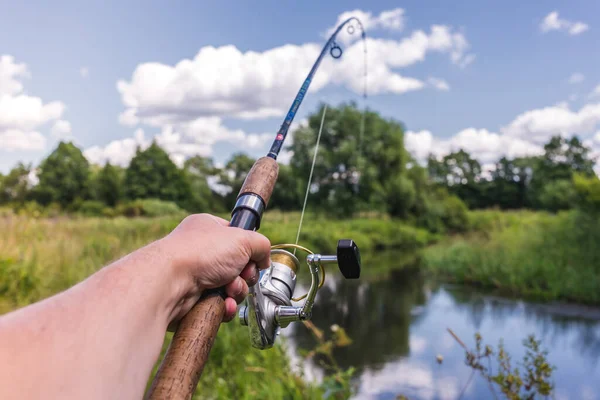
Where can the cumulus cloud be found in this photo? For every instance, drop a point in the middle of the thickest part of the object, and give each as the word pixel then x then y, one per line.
pixel 524 136
pixel 14 139
pixel 576 77
pixel 439 84
pixel 180 142
pixel 224 81
pixel 61 129
pixel 188 100
pixel 117 152
pixel 485 146
pixel 22 115
pixel 552 22
pixel 595 92
pixel 540 124
pixel 392 20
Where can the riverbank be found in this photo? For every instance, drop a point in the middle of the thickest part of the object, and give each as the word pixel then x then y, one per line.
pixel 40 257
pixel 533 254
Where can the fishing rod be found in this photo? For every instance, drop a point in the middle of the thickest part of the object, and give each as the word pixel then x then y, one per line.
pixel 269 303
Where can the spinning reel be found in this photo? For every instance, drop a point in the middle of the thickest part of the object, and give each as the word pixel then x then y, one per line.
pixel 269 304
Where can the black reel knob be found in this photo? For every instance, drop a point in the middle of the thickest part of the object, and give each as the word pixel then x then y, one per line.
pixel 348 258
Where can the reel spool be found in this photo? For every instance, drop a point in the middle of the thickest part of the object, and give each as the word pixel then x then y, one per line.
pixel 269 306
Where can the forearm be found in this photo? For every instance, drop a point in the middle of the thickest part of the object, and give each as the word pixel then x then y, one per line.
pixel 98 339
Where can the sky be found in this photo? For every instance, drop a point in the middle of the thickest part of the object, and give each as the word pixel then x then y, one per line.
pixel 214 78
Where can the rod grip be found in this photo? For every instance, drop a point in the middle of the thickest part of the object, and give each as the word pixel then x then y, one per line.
pixel 188 352
pixel 261 179
pixel 180 370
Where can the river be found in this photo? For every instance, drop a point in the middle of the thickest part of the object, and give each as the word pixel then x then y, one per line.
pixel 398 324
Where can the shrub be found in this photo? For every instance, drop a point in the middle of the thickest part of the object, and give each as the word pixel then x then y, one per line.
pixel 149 208
pixel 91 208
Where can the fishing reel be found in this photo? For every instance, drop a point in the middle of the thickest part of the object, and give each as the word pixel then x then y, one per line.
pixel 269 303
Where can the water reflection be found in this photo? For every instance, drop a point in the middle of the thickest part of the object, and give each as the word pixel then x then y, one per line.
pixel 398 322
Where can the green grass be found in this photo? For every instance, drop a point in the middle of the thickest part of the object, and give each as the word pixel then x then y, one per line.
pixel 541 255
pixel 42 256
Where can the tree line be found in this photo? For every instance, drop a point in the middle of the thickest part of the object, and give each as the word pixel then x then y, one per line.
pixel 374 173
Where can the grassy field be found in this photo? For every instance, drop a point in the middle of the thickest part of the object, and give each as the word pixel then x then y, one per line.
pixel 39 257
pixel 545 256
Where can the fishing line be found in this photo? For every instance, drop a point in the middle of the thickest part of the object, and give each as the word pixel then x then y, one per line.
pixel 312 168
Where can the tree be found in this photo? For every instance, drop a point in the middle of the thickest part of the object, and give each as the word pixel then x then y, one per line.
pixel 461 174
pixel 199 170
pixel 401 195
pixel 233 175
pixel 152 174
pixel 351 173
pixel 287 195
pixel 64 176
pixel 587 190
pixel 16 186
pixel 108 185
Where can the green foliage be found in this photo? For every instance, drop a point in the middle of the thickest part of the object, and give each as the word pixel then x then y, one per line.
pixel 233 175
pixel 64 176
pixel 91 208
pixel 149 208
pixel 588 192
pixel 288 193
pixel 401 195
pixel 198 170
pixel 534 254
pixel 108 185
pixel 15 187
pixel 16 284
pixel 152 174
pixel 337 382
pixel 351 173
pixel 557 195
pixel 534 379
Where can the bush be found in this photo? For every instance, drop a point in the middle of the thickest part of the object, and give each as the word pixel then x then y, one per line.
pixel 455 216
pixel 91 208
pixel 149 208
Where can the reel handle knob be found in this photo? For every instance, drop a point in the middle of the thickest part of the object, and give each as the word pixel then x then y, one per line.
pixel 348 257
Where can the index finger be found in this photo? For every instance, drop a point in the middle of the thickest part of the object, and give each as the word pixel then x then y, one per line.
pixel 259 249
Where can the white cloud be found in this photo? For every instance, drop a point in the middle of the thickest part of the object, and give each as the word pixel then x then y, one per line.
pixel 84 72
pixel 524 136
pixel 595 92
pixel 539 125
pixel 552 22
pixel 117 152
pixel 392 20
pixel 485 146
pixel 10 72
pixel 180 142
pixel 61 129
pixel 14 139
pixel 439 84
pixel 21 115
pixel 576 77
pixel 225 81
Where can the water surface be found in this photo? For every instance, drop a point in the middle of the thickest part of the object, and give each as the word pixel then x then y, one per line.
pixel 397 321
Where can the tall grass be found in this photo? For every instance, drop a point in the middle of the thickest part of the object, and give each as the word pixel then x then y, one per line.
pixel 546 256
pixel 39 257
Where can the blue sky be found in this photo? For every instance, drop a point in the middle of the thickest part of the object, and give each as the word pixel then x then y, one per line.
pixel 510 98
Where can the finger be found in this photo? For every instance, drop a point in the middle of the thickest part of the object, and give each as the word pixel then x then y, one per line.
pixel 219 220
pixel 258 247
pixel 237 289
pixel 230 309
pixel 250 274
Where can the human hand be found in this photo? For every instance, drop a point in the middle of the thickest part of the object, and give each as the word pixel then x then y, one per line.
pixel 208 254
